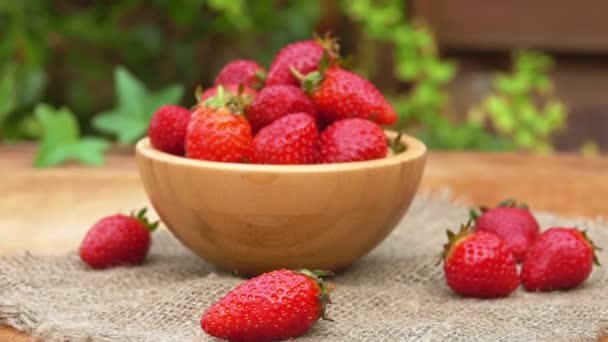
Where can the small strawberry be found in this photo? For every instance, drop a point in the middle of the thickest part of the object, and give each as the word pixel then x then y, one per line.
pixel 292 139
pixel 303 56
pixel 479 264
pixel 218 132
pixel 511 222
pixel 340 94
pixel 277 101
pixel 274 306
pixel 167 130
pixel 241 71
pixel 350 140
pixel 245 92
pixel 117 240
pixel 560 259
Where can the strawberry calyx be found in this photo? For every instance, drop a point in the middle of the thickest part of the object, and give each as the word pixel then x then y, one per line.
pixel 234 103
pixel 507 203
pixel 260 79
pixel 454 239
pixel 141 217
pixel 326 288
pixel 330 46
pixel 594 247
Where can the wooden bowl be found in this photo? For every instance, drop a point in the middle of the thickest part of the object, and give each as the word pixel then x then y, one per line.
pixel 254 218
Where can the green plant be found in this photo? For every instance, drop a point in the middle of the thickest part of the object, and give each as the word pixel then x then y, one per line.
pixel 522 107
pixel 61 139
pixel 136 105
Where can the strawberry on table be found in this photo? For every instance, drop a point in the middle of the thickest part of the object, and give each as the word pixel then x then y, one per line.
pixel 274 306
pixel 479 264
pixel 292 139
pixel 241 71
pixel 350 140
pixel 512 222
pixel 167 130
pixel 303 56
pixel 117 240
pixel 560 259
pixel 340 94
pixel 218 131
pixel 274 102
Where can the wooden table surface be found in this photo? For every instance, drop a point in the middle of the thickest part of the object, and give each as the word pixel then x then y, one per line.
pixel 48 211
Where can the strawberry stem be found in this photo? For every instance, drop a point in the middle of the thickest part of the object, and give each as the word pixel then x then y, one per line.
pixel 141 217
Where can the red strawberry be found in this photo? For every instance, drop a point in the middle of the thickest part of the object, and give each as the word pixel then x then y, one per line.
pixel 303 56
pixel 230 90
pixel 560 259
pixel 514 224
pixel 479 264
pixel 292 139
pixel 274 306
pixel 117 240
pixel 340 94
pixel 167 129
pixel 241 71
pixel 350 140
pixel 277 101
pixel 218 132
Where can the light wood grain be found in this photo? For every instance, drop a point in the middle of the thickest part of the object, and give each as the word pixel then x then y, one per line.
pixel 251 219
pixel 48 211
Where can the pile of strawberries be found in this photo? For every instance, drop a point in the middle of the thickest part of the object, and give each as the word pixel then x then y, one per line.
pixel 306 109
pixel 480 261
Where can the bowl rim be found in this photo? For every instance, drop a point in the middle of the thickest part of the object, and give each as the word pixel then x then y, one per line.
pixel 415 149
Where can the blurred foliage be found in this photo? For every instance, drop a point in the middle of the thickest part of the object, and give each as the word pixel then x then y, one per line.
pixel 66 53
pixel 514 109
pixel 61 139
pixel 136 105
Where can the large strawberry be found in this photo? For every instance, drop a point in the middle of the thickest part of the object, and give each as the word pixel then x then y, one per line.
pixel 479 264
pixel 218 132
pixel 560 259
pixel 513 223
pixel 303 56
pixel 241 71
pixel 292 139
pixel 276 101
pixel 350 140
pixel 167 129
pixel 274 306
pixel 117 240
pixel 340 94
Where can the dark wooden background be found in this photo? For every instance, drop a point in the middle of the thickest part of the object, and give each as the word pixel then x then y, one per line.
pixel 479 34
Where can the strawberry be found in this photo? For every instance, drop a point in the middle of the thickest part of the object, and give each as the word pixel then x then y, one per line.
pixel 350 140
pixel 247 93
pixel 292 139
pixel 277 101
pixel 117 240
pixel 340 94
pixel 479 264
pixel 512 223
pixel 560 259
pixel 303 56
pixel 277 305
pixel 241 71
pixel 218 132
pixel 167 130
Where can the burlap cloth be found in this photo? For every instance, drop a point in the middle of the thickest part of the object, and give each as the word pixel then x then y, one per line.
pixel 394 294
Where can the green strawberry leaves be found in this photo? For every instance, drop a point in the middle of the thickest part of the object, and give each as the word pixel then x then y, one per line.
pixel 141 217
pixel 61 139
pixel 509 202
pixel 136 105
